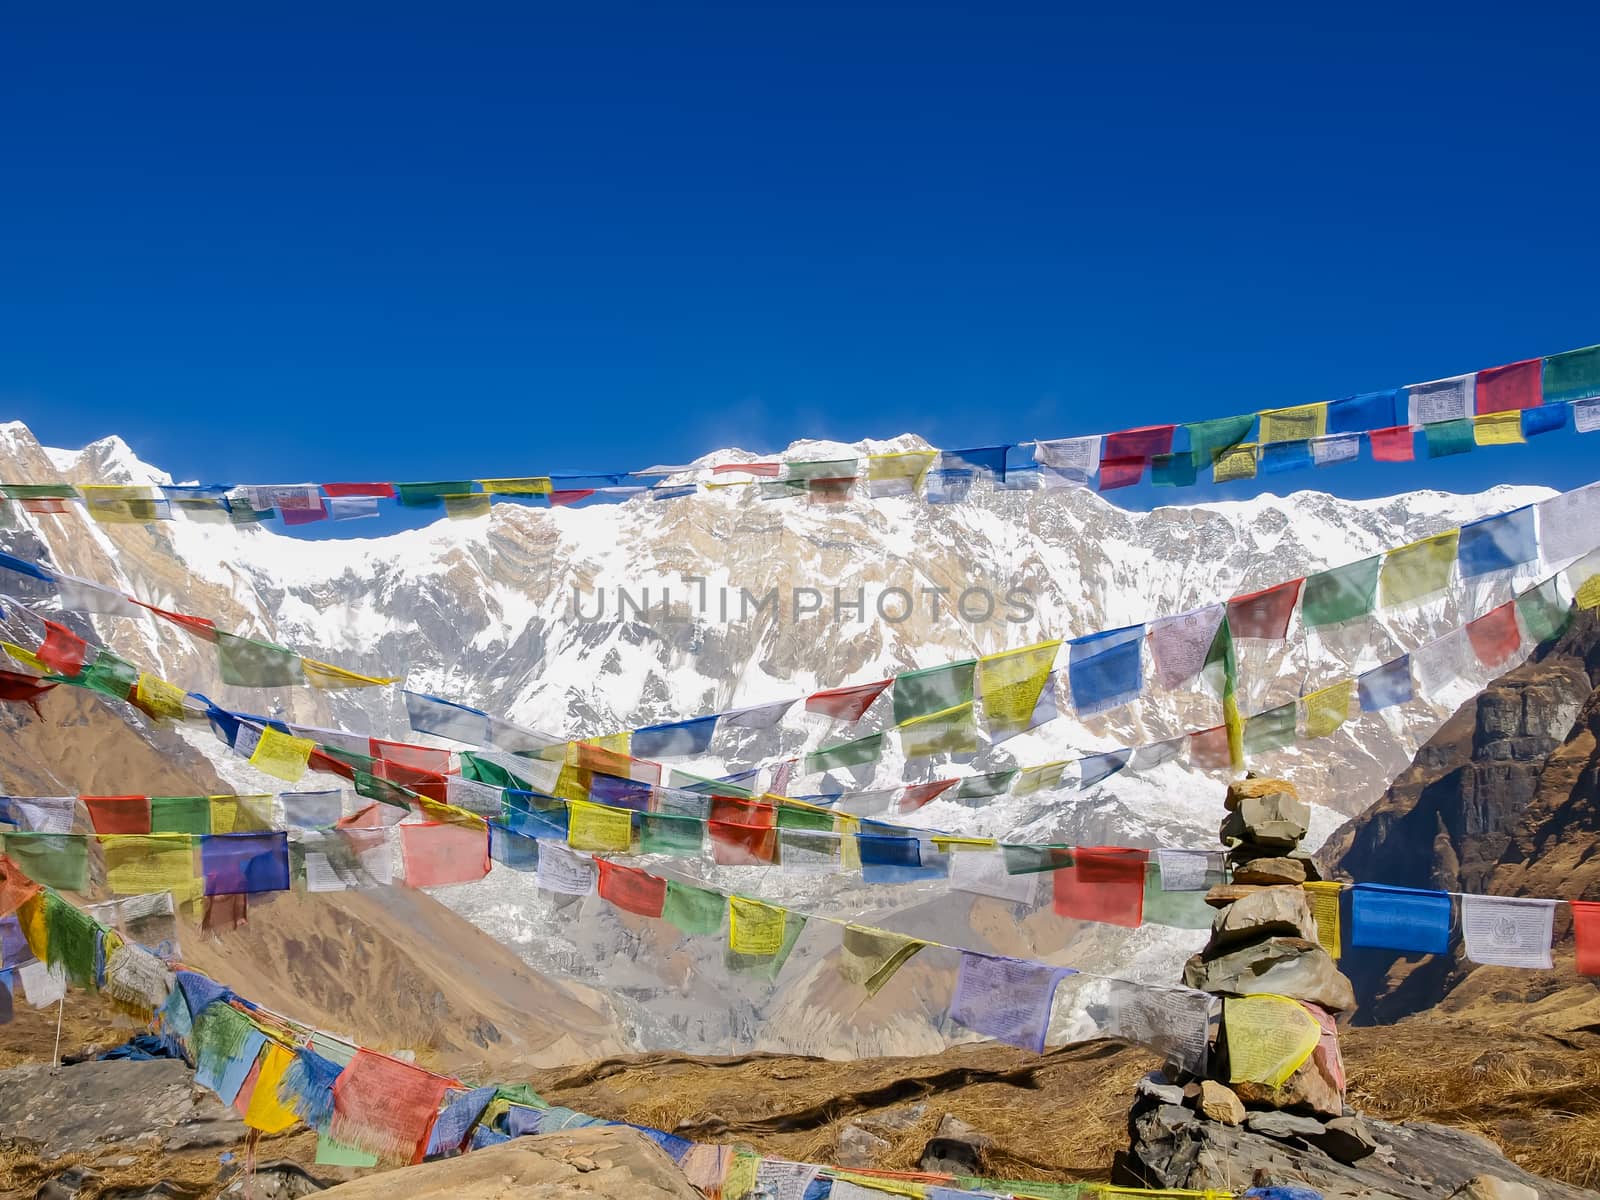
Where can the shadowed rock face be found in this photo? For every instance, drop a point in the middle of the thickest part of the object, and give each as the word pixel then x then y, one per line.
pixel 1502 800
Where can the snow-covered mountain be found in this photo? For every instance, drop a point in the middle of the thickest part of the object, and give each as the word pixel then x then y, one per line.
pixel 518 613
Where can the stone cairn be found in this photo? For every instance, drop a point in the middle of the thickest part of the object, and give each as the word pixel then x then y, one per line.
pixel 1263 941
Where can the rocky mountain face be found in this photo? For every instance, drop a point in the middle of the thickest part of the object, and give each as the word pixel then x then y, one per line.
pixel 1504 799
pixel 519 613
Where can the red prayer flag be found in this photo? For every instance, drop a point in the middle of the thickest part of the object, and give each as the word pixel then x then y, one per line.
pixel 404 754
pixel 1209 750
pixel 918 794
pixel 44 506
pixel 1586 933
pixel 1264 614
pixel 201 627
pixel 1508 388
pixel 830 491
pixel 570 496
pixel 1145 442
pixel 1121 472
pixel 64 652
pixel 358 489
pixel 23 689
pixel 424 783
pixel 304 516
pixel 1397 444
pixel 734 844
pixel 1495 635
pixel 846 703
pixel 386 1107
pixel 1105 884
pixel 769 469
pixel 16 889
pixel 631 889
pixel 438 854
pixel 118 814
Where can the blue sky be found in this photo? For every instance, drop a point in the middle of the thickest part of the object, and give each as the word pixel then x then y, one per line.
pixel 503 240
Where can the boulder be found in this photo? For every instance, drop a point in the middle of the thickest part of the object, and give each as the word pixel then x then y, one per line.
pixel 1278 820
pixel 1268 912
pixel 1314 1087
pixel 1491 1187
pixel 1253 787
pixel 956 1148
pixel 1278 966
pixel 1269 872
pixel 1219 1102
pixel 858 1147
pixel 1283 1125
pixel 1225 894
pixel 1347 1139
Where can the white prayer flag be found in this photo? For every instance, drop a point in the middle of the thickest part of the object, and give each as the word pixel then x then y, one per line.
pixel 1153 754
pixel 475 797
pixel 1443 400
pixel 1444 660
pixel 1178 645
pixel 1586 415
pixel 562 870
pixel 1508 931
pixel 808 852
pixel 42 985
pixel 79 595
pixel 1185 870
pixel 1335 448
pixel 321 876
pixel 1068 462
pixel 777 1180
pixel 46 814
pixel 758 716
pixel 1569 524
pixel 983 872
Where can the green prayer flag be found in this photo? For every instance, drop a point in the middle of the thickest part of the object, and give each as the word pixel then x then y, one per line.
pixel 981 787
pixel 370 787
pixel 431 495
pixel 834 468
pixel 693 910
pixel 781 489
pixel 1222 668
pixel 351 758
pixel 932 689
pixel 240 512
pixel 1270 730
pixel 56 860
pixel 336 1154
pixel 1175 470
pixel 1178 910
pixel 859 753
pixel 767 966
pixel 1034 860
pixel 71 939
pixel 801 818
pixel 1208 437
pixel 663 833
pixel 1574 375
pixel 110 675
pixel 1541 612
pixel 39 491
pixel 1445 438
pixel 180 814
pixel 245 662
pixel 1342 594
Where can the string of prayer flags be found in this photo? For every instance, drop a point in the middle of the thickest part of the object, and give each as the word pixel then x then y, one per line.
pixel 439 854
pixel 754 928
pixel 1398 918
pixel 1322 897
pixel 631 889
pixel 694 911
pixel 1264 614
pixel 1498 543
pixel 1495 636
pixel 1325 709
pixel 1007 999
pixel 1269 1038
pixel 870 957
pixel 1104 670
pixel 385 1107
pixel 1103 884
pixel 1508 931
pixel 846 703
pixel 1340 595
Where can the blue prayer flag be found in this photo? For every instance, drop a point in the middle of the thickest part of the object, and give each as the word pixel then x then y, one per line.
pixel 677 739
pixel 523 815
pixel 1096 767
pixel 456 1118
pixel 446 719
pixel 617 792
pixel 1105 669
pixel 1372 410
pixel 242 863
pixel 675 1146
pixel 989 460
pixel 484 1137
pixel 889 850
pixel 1283 456
pixel 512 849
pixel 947 485
pixel 1385 686
pixel 1497 543
pixel 1547 419
pixel 23 567
pixel 200 991
pixel 1397 918
pixel 522 1120
pixel 677 492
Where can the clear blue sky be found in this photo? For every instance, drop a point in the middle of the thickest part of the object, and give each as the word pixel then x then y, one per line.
pixel 284 244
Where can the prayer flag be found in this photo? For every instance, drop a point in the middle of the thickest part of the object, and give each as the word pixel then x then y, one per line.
pixel 1586 933
pixel 1574 375
pixel 236 864
pixel 953 731
pixel 1298 424
pixel 526 485
pixel 1336 448
pixel 281 755
pixel 694 911
pixel 1006 998
pixel 1270 730
pixel 431 495
pixel 1234 462
pixel 1449 437
pixel 1444 660
pixel 1568 523
pixel 1397 918
pixel 947 486
pixel 1011 683
pixel 1104 670
pixel 55 860
pixel 385 1106
pixel 985 873
pixel 1269 1038
pixel 898 474
pixel 1495 635
pixel 932 690
pixel 562 871
pixel 675 740
pixel 118 814
pixel 1186 870
pixel 1498 429
pixel 1121 472
pixel 1586 415
pixel 183 814
pixel 808 852
pixel 1041 778
pixel 846 703
pixel 1341 594
pixel 1323 899
pixel 1327 708
pixel 830 491
pixel 836 468
pixel 329 678
pixel 62 651
pixel 1209 750
pixel 83 596
pixel 248 663
pixel 1498 543
pixel 1144 442
pixel 1264 614
pixel 512 849
pixel 1152 754
pixel 1358 414
pixel 1208 438
pixel 753 927
pixel 159 698
pixel 1539 421
pixel 981 787
pixel 1398 444
pixel 859 753
pixel 631 889
pixel 870 957
pixel 263 1110
pixel 1284 456
pixel 742 838
pixel 1508 931
pixel 599 828
pixel 1104 884
pixel 1541 612
pixel 1174 470
pixel 665 833
pixel 764 716
pixel 1583 577
pixel 914 796
pixel 437 854
pixel 1441 401
pixel 1073 461
pixel 1094 768
pixel 1178 645
pixel 1418 569
pixel 139 865
pixel 355 508
pixel 986 460
pixel 767 966
pixel 1510 388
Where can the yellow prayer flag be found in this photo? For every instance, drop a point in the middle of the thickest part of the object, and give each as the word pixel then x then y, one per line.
pixel 527 485
pixel 617 743
pixel 26 657
pixel 729 483
pixel 35 930
pixel 139 864
pixel 1323 897
pixel 265 1112
pixel 331 678
pixel 1038 779
pixel 571 784
pixel 908 464
pixel 598 827
pixel 464 506
pixel 948 844
pixel 1327 708
pixel 241 814
pixel 951 731
pixel 1269 1038
pixel 1010 684
pixel 1498 429
pixel 117 504
pixel 1234 462
pixel 448 814
pixel 281 755
pixel 754 927
pixel 849 830
pixel 1297 424
pixel 1412 571
pixel 1588 593
pixel 158 697
pixel 741 1177
pixel 880 1183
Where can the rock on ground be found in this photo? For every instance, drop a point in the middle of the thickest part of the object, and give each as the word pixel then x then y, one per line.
pixel 604 1161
